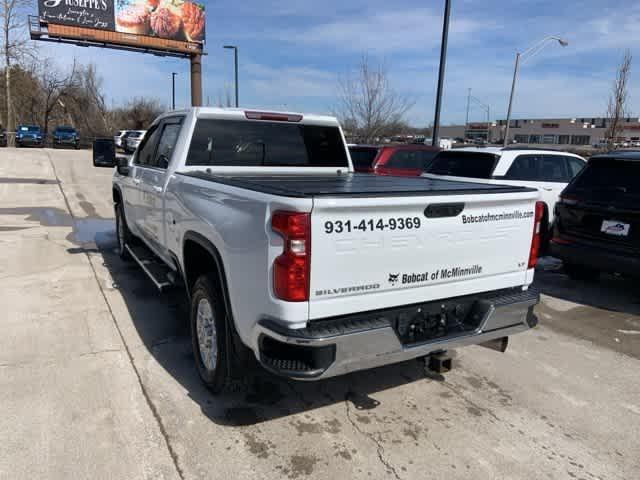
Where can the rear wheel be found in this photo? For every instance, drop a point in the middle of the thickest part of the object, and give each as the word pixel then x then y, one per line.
pixel 580 272
pixel 123 234
pixel 209 334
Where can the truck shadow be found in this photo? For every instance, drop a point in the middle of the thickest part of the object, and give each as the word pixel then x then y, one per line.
pixel 610 292
pixel 161 321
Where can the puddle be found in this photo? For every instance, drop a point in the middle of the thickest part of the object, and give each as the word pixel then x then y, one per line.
pixel 98 231
pixel 85 231
pixel 35 181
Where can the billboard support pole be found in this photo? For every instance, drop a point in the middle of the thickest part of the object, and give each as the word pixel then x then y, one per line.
pixel 196 80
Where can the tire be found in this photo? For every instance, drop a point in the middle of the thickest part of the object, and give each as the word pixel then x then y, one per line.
pixel 580 272
pixel 208 321
pixel 123 235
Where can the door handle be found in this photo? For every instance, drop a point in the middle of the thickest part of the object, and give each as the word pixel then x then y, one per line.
pixel 136 181
pixel 548 189
pixel 157 189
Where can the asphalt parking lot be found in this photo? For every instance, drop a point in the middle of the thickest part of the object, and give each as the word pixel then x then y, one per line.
pixel 97 380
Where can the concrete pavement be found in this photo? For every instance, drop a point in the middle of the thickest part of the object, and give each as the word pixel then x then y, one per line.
pixel 97 379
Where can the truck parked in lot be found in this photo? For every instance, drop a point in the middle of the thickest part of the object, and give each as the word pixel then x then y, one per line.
pixel 290 257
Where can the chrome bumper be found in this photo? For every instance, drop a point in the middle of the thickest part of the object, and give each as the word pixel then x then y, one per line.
pixel 376 343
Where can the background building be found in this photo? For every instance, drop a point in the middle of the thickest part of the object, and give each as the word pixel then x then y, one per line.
pixel 547 131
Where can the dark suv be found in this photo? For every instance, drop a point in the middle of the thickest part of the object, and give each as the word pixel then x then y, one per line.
pixel 29 135
pixel 598 218
pixel 66 136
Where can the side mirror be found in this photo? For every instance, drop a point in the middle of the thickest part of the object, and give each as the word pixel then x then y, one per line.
pixel 122 165
pixel 104 153
pixel 163 162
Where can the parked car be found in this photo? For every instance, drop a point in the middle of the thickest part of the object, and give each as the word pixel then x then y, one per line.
pixel 118 137
pixel 597 225
pixel 291 259
pixel 548 171
pixel 29 135
pixel 132 139
pixel 399 160
pixel 3 137
pixel 64 135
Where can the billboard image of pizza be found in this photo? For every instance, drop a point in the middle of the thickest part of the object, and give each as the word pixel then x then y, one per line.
pixel 171 19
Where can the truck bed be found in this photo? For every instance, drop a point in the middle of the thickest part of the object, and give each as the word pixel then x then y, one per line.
pixel 353 185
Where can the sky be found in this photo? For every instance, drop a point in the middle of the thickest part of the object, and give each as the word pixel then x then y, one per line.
pixel 293 53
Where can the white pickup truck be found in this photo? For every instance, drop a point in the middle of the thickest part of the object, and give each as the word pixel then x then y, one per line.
pixel 290 257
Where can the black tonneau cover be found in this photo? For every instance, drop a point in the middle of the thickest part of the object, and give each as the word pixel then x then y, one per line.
pixel 353 185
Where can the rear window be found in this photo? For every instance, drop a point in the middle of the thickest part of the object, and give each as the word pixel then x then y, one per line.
pixel 363 157
pixel 608 180
pixel 30 128
pixel 252 144
pixel 65 130
pixel 463 164
pixel 411 159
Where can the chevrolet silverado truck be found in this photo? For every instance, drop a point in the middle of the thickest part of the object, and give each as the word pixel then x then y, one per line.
pixel 290 258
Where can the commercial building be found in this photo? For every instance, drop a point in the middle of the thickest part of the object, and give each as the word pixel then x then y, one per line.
pixel 547 131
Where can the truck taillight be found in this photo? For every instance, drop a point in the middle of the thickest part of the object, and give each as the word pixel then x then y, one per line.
pixel 291 269
pixel 535 240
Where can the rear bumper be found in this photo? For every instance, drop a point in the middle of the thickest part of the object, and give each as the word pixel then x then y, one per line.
pixel 362 341
pixel 602 259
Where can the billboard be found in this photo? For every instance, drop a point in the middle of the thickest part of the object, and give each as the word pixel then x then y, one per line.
pixel 177 20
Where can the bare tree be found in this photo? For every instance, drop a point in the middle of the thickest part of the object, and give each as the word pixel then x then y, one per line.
pixel 618 107
pixel 138 114
pixel 369 104
pixel 54 84
pixel 87 104
pixel 15 46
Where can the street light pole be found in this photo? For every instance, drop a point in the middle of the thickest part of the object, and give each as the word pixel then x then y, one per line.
pixel 519 57
pixel 513 89
pixel 468 102
pixel 443 60
pixel 235 62
pixel 173 90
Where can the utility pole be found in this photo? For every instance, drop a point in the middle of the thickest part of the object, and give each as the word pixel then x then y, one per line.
pixel 196 80
pixel 443 60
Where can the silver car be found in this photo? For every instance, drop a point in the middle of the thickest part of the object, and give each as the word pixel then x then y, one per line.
pixel 132 139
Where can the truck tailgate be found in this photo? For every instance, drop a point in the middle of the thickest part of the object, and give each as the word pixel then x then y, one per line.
pixel 379 252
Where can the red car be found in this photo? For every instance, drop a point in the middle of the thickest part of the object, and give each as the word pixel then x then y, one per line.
pixel 399 160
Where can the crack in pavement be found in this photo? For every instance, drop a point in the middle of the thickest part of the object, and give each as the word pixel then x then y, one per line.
pixel 53 361
pixel 379 447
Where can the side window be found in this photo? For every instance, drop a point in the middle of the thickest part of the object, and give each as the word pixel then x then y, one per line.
pixel 147 147
pixel 525 167
pixel 554 169
pixel 166 144
pixel 575 166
